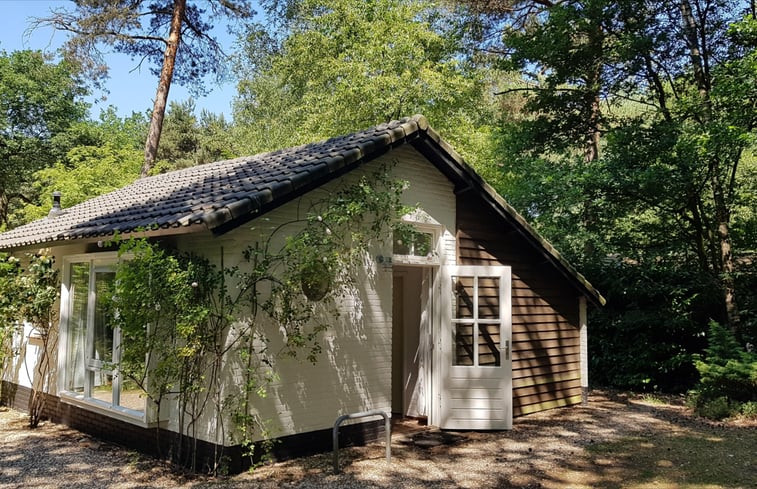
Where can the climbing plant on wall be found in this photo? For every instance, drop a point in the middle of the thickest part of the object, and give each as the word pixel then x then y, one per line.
pixel 30 295
pixel 183 318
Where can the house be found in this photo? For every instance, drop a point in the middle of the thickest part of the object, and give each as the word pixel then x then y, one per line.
pixel 487 322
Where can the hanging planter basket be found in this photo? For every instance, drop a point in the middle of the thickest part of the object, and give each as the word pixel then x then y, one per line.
pixel 315 280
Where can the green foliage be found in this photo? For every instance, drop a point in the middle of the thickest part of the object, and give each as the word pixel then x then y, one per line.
pixel 717 408
pixel 182 318
pixel 187 140
pixel 728 376
pixel 86 172
pixel 39 289
pixel 726 368
pixel 38 104
pixel 162 301
pixel 337 65
pixel 29 296
pixel 10 268
pixel 656 215
pixel 101 156
pixel 645 339
pixel 749 410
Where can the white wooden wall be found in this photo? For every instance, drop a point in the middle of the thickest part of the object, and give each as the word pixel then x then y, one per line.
pixel 353 372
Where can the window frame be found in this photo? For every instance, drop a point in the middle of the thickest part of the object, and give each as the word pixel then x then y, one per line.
pixel 97 262
pixel 435 230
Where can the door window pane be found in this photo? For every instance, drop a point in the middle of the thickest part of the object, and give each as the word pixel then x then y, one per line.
pixel 488 345
pixel 462 297
pixel 476 312
pixel 464 344
pixel 488 298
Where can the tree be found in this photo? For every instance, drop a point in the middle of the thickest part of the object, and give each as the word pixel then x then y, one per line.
pixel 189 140
pixel 342 64
pixel 654 216
pixel 677 113
pixel 39 103
pixel 186 53
pixel 103 156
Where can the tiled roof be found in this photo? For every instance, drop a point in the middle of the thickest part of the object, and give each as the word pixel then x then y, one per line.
pixel 219 196
pixel 215 193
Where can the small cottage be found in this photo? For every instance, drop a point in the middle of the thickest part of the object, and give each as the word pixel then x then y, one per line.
pixel 478 322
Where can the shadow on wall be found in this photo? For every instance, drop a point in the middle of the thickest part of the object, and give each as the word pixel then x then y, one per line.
pixel 352 372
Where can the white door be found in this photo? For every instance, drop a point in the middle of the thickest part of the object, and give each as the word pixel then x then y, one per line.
pixel 476 366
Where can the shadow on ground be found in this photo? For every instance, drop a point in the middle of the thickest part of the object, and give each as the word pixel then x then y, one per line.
pixel 615 442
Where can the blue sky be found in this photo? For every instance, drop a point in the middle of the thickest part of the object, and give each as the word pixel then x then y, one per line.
pixel 129 90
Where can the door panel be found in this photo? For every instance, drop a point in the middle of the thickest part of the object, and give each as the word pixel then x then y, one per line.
pixel 476 330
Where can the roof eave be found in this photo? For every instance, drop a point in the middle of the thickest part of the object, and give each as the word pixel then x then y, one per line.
pixel 55 241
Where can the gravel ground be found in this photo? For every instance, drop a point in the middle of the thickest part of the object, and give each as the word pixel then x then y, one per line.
pixel 544 450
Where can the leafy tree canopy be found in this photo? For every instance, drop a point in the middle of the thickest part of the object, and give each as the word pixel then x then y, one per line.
pixel 190 140
pixel 337 65
pixel 103 156
pixel 39 102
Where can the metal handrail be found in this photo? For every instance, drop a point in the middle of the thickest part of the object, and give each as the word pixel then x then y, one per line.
pixel 364 414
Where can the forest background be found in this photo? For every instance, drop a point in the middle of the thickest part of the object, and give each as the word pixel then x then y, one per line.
pixel 624 131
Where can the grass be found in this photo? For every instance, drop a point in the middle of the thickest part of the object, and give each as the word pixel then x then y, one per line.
pixel 708 457
pixel 650 398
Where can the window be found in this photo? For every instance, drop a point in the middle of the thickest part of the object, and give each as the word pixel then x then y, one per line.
pixel 418 243
pixel 476 319
pixel 91 345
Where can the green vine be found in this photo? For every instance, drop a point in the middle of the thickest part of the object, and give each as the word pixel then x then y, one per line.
pixel 30 295
pixel 181 316
pixel 10 269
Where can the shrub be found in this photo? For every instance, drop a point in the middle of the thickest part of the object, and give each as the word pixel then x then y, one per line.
pixel 717 408
pixel 749 409
pixel 728 376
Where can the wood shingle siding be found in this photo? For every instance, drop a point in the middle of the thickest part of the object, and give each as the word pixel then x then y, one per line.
pixel 545 315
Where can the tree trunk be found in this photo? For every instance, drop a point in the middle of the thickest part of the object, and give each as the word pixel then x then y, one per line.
pixel 721 236
pixel 4 204
pixel 593 79
pixel 161 97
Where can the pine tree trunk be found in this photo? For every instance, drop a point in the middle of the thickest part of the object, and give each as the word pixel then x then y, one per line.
pixel 161 97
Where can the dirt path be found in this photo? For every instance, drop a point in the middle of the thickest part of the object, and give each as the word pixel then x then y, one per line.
pixel 614 443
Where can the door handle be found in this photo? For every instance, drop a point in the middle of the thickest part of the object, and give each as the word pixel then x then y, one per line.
pixel 507 349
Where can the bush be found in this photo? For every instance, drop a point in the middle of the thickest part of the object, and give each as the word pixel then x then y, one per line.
pixel 717 408
pixel 654 321
pixel 728 377
pixel 749 409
